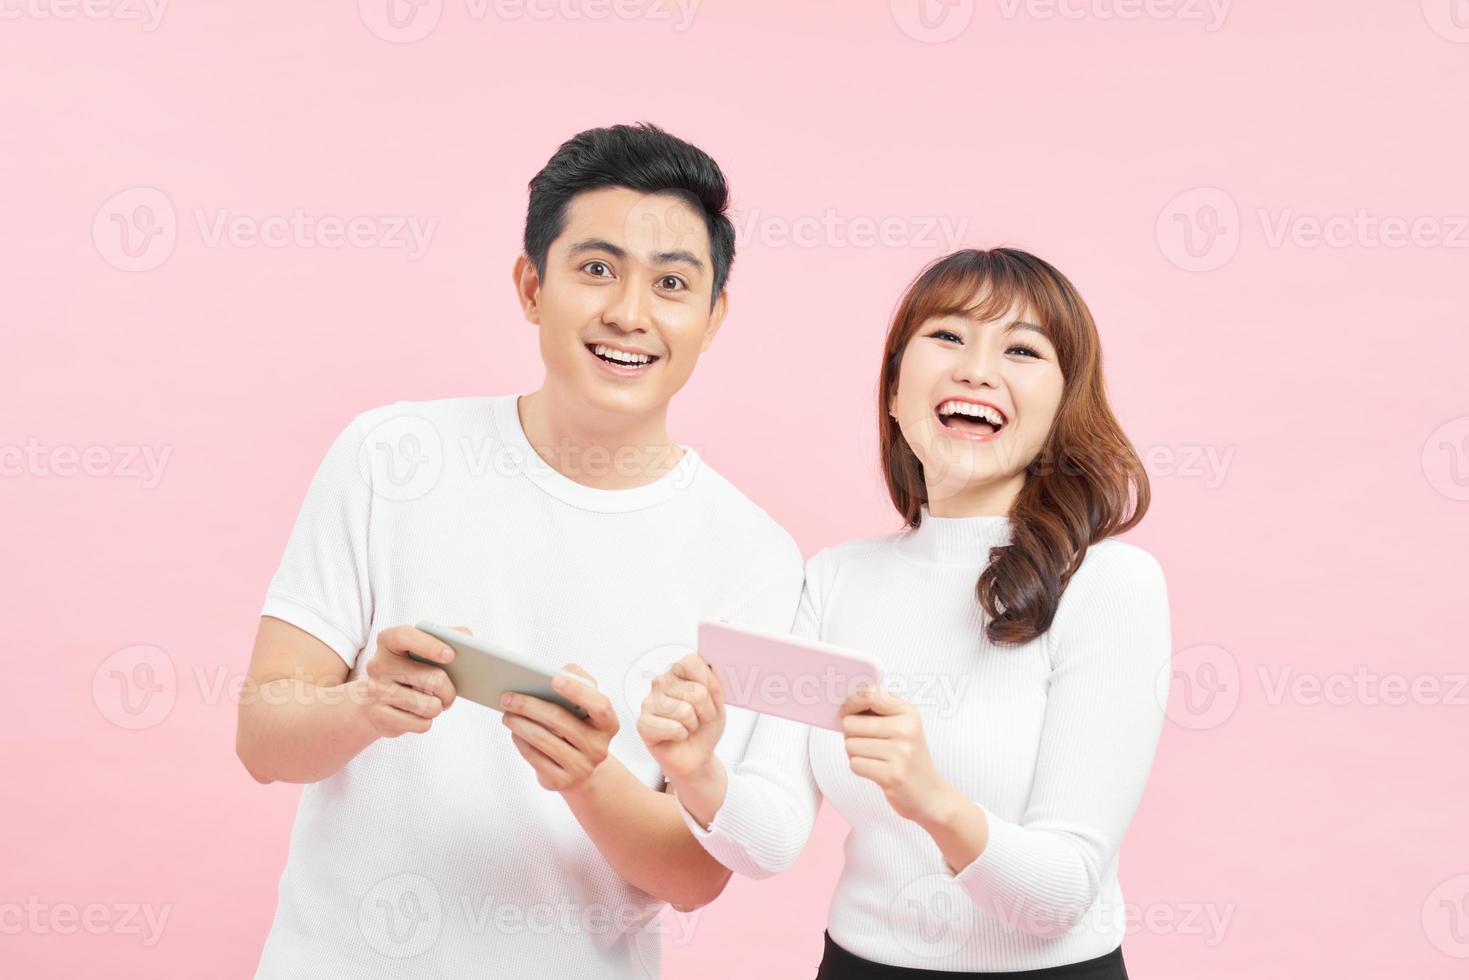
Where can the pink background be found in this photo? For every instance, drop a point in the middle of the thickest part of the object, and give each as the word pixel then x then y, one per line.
pixel 1300 401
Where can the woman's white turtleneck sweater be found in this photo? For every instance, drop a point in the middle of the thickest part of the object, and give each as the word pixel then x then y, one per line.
pixel 1053 739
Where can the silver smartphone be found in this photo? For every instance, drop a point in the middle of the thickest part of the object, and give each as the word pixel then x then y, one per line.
pixel 483 672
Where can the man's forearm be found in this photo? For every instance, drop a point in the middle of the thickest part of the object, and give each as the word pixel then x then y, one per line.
pixel 294 731
pixel 641 834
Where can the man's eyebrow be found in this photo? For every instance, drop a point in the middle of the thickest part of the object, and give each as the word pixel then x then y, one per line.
pixel 618 252
pixel 687 258
pixel 598 245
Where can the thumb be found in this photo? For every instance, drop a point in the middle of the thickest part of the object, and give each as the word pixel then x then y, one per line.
pixel 716 689
pixel 462 629
pixel 577 669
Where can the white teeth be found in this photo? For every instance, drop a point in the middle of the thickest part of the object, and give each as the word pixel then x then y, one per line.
pixel 990 415
pixel 602 350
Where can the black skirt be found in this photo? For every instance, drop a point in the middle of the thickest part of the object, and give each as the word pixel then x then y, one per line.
pixel 838 964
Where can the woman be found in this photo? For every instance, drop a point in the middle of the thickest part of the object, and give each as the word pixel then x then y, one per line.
pixel 989 781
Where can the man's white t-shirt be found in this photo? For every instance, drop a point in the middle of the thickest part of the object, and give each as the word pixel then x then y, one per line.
pixel 440 855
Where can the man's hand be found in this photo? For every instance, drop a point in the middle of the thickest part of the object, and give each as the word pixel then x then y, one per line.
pixel 563 749
pixel 398 694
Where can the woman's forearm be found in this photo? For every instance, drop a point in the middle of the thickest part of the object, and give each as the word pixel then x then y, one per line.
pixel 959 827
pixel 642 835
pixel 702 793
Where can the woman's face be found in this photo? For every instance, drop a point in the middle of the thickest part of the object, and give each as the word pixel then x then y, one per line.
pixel 976 402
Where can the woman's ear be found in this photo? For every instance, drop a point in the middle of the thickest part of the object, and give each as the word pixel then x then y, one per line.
pixel 527 287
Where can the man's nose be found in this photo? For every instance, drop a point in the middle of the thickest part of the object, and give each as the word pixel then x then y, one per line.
pixel 631 308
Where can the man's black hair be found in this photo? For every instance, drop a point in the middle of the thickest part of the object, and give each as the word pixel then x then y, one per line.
pixel 641 158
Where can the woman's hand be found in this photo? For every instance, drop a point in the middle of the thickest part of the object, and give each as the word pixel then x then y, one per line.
pixel 681 722
pixel 885 743
pixel 683 718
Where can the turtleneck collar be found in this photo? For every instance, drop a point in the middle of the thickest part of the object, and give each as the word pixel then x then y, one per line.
pixel 954 540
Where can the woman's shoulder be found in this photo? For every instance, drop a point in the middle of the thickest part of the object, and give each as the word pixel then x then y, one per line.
pixel 830 560
pixel 1115 577
pixel 1112 558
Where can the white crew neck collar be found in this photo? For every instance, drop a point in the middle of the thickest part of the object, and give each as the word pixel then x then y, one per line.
pixel 529 464
pixel 954 540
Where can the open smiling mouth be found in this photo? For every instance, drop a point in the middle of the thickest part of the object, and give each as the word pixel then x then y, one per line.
pixel 971 419
pixel 622 359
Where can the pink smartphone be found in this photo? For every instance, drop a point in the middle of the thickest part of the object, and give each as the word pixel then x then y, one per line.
pixel 778 674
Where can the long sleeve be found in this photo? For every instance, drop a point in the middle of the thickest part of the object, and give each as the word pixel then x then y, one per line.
pixel 1104 713
pixel 768 602
pixel 771 801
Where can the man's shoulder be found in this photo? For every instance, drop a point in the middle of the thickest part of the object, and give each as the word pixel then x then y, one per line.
pixel 742 521
pixel 443 416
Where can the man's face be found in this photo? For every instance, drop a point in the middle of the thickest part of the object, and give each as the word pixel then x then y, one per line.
pixel 624 305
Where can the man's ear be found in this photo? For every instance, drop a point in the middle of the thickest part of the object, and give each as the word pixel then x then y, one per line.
pixel 716 319
pixel 527 287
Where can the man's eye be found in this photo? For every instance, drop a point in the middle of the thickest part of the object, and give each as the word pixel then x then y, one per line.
pixel 946 335
pixel 672 283
pixel 598 269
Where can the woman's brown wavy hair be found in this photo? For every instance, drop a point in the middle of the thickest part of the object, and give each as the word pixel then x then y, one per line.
pixel 1087 483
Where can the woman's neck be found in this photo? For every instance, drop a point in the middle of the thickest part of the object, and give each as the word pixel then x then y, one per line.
pixel 992 498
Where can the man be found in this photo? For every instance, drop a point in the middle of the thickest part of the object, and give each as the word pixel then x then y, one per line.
pixel 565 525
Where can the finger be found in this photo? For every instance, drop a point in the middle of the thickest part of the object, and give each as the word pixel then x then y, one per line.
pixel 597 705
pixel 869 748
pixel 659 708
pixel 716 690
pixel 547 742
pixel 857 702
pixel 550 716
pixel 691 668
pixel 432 681
pixel 462 629
pixel 872 698
pixel 400 721
pixel 655 730
pixel 867 726
pixel 580 671
pixel 675 708
pixel 539 760
pixel 869 769
pixel 403 640
pixel 412 701
pixel 695 694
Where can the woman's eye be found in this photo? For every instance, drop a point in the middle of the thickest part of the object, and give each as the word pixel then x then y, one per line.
pixel 598 269
pixel 1026 351
pixel 671 283
pixel 946 335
